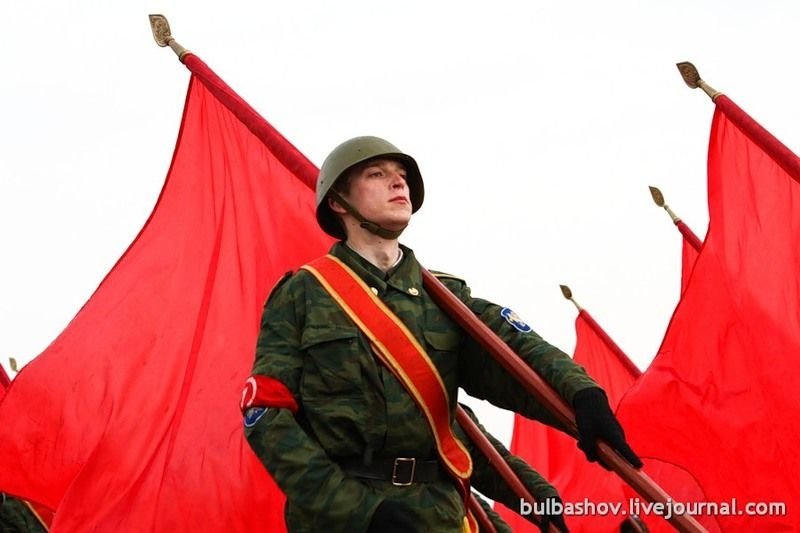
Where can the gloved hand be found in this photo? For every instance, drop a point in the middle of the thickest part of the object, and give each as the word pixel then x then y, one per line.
pixel 595 421
pixel 392 517
pixel 557 519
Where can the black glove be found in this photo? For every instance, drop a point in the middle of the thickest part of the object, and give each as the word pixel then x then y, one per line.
pixel 557 519
pixel 596 421
pixel 392 517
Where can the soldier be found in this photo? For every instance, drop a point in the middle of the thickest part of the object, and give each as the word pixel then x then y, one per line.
pixel 354 386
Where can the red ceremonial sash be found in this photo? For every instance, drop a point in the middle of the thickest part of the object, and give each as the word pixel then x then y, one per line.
pixel 402 354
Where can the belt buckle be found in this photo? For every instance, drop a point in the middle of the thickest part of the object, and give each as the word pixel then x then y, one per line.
pixel 400 461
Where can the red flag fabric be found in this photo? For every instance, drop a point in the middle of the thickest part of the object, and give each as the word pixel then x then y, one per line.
pixel 131 415
pixel 556 455
pixel 719 400
pixel 44 514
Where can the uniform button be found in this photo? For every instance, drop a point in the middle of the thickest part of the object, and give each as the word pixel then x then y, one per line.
pixel 413 291
pixel 374 290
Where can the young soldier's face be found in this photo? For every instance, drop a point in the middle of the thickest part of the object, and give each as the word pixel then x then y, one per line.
pixel 378 190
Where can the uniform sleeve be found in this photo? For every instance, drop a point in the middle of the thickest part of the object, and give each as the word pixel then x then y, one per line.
pixel 488 481
pixel 314 484
pixel 481 376
pixel 16 517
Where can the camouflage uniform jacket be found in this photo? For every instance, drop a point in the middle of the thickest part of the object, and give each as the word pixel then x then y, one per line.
pixel 351 407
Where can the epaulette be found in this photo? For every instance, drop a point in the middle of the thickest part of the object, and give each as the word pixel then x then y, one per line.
pixel 445 275
pixel 277 285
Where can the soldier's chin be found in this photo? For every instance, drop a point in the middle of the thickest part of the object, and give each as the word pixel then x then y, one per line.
pixel 396 225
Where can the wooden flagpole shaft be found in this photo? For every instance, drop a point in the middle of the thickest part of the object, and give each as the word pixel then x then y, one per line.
pixel 693 240
pixel 545 395
pixel 480 515
pixel 497 461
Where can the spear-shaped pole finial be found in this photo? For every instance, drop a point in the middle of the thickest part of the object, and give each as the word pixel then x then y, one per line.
pixel 658 198
pixel 692 78
pixel 685 230
pixel 163 35
pixel 12 363
pixel 567 292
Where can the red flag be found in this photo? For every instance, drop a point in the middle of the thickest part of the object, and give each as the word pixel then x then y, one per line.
pixel 556 455
pixel 44 514
pixel 5 381
pixel 719 400
pixel 131 415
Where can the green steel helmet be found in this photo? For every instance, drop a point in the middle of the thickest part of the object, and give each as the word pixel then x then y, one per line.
pixel 351 153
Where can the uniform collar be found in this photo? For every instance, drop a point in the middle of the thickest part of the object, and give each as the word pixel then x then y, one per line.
pixel 405 277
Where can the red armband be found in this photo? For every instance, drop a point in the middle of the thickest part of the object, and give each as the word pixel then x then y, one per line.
pixel 266 392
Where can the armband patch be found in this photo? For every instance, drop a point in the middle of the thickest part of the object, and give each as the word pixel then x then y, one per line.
pixel 265 392
pixel 253 415
pixel 513 318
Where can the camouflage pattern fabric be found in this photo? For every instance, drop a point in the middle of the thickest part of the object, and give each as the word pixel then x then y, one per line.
pixel 16 517
pixel 352 408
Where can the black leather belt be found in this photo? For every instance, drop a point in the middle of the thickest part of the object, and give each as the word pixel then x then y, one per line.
pixel 401 471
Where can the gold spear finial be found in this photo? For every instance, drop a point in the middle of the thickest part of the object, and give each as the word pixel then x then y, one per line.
pixel 567 292
pixel 692 78
pixel 163 35
pixel 13 364
pixel 658 198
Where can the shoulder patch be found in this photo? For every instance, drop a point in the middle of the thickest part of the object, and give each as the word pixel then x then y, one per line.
pixel 277 285
pixel 514 319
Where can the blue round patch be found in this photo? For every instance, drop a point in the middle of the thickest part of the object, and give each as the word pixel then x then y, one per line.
pixel 514 319
pixel 253 415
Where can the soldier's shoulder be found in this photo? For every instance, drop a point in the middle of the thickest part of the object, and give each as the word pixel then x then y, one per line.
pixel 290 286
pixel 446 275
pixel 281 285
pixel 448 279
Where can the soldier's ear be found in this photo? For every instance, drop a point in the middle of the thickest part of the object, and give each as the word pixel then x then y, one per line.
pixel 335 207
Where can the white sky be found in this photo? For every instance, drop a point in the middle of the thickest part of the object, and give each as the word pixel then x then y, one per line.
pixel 537 126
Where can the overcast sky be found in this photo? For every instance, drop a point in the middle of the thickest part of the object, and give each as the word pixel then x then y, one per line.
pixel 537 126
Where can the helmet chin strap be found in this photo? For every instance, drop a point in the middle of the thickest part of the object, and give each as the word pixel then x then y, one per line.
pixel 371 227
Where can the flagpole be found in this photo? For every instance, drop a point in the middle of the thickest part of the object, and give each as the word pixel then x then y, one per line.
pixel 609 342
pixel 778 151
pixel 36 515
pixel 495 459
pixel 685 230
pixel 480 515
pixel 548 397
pixel 5 379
